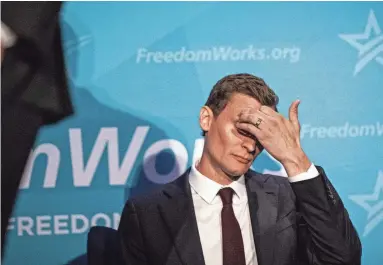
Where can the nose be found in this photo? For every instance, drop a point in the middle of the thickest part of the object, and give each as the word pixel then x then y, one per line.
pixel 249 144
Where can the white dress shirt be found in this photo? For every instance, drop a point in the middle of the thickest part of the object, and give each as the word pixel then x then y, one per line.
pixel 208 207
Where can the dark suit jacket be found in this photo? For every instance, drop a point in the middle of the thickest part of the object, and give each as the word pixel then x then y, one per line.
pixel 299 223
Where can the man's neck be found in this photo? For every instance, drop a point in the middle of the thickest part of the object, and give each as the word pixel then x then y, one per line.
pixel 207 168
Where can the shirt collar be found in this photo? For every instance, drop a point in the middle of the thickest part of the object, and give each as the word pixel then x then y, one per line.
pixel 208 189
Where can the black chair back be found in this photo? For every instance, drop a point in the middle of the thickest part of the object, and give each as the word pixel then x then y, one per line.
pixel 103 247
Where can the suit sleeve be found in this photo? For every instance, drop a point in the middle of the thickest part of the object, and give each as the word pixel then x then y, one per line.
pixel 131 238
pixel 325 232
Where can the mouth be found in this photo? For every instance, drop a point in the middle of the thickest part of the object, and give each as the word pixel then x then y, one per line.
pixel 242 160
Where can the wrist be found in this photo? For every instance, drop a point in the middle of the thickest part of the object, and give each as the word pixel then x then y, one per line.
pixel 296 164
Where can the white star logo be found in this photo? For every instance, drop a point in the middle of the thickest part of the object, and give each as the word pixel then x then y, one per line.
pixel 372 46
pixel 372 204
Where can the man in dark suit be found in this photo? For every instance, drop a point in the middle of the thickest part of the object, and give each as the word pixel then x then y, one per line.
pixel 34 89
pixel 220 212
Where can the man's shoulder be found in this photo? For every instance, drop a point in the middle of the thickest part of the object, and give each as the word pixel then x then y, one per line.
pixel 270 179
pixel 162 192
pixel 278 183
pixel 150 199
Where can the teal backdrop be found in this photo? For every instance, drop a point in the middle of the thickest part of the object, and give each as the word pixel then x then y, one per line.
pixel 139 73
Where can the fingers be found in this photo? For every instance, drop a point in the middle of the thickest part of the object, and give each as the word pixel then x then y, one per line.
pixel 293 114
pixel 269 111
pixel 252 116
pixel 249 128
pixel 252 122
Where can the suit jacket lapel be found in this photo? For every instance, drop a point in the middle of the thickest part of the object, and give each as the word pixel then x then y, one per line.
pixel 263 207
pixel 179 216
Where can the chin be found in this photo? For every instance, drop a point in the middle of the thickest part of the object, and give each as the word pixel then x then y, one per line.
pixel 237 170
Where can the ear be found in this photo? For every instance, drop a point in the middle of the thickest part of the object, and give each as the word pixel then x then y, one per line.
pixel 205 118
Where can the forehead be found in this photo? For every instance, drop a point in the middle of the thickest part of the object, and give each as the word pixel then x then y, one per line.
pixel 239 102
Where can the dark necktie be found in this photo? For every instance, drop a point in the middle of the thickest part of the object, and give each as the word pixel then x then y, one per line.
pixel 232 242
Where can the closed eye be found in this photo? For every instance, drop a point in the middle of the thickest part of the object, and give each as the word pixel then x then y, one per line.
pixel 245 133
pixel 248 135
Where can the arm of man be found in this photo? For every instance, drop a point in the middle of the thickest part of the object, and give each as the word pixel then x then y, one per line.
pixel 326 235
pixel 325 232
pixel 132 245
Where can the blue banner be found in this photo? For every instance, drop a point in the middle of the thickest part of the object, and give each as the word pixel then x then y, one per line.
pixel 139 73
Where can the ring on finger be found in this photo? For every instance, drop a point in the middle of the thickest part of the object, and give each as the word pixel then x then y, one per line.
pixel 259 121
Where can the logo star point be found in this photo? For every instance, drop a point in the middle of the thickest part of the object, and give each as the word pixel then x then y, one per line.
pixel 369 43
pixel 372 203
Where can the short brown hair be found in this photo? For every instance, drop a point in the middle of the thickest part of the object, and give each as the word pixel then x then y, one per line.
pixel 243 83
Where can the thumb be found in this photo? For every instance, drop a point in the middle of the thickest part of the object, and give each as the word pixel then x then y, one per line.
pixel 293 114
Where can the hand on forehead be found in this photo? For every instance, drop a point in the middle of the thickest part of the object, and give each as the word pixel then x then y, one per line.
pixel 245 113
